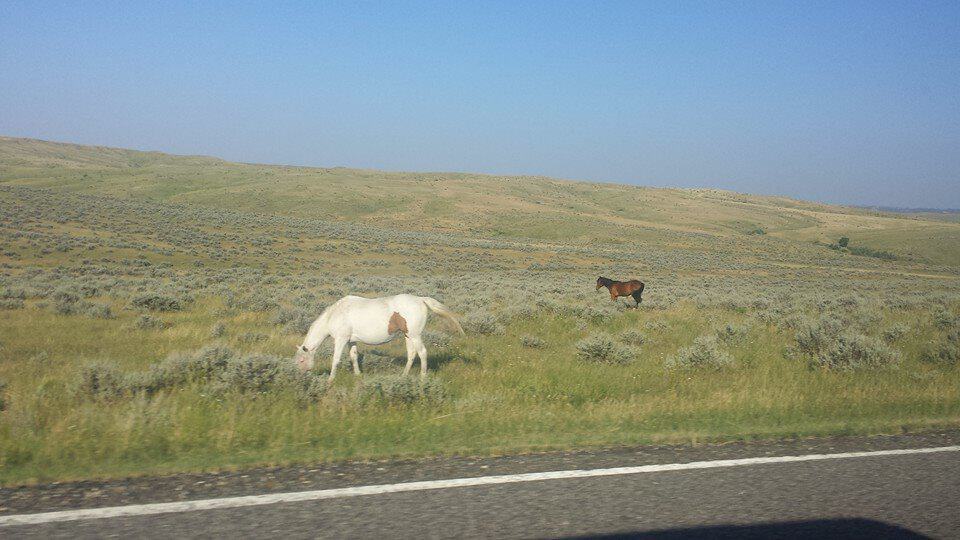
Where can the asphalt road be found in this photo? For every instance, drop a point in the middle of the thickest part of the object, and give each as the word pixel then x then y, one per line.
pixel 894 496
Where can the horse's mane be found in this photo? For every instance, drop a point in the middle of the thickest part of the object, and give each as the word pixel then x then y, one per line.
pixel 322 318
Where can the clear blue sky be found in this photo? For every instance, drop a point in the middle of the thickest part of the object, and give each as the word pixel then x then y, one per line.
pixel 838 101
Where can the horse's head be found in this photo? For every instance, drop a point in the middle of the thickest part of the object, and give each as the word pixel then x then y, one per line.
pixel 602 282
pixel 304 358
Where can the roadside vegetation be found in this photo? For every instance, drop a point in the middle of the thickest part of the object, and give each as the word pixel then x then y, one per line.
pixel 143 333
pixel 843 245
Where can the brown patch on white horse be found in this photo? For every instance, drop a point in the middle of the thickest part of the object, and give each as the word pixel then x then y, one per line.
pixel 397 323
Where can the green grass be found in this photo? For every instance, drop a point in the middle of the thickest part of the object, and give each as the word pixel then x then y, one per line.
pixel 243 242
pixel 501 398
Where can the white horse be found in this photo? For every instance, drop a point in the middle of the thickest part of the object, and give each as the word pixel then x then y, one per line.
pixel 354 319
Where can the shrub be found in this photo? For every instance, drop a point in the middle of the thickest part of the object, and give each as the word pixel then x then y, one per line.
pixel 100 381
pixel 532 342
pixel 11 303
pixel 655 326
pixel 784 316
pixel 14 294
pixel 946 352
pixel 827 345
pixel 943 318
pixel 65 303
pixel 157 302
pixel 258 373
pixel 65 296
pixel 732 332
pixel 851 351
pixel 843 245
pixel 294 321
pixel 398 389
pixel 869 252
pixel 3 398
pixel 704 353
pixel 199 366
pixel 70 304
pixel 151 381
pixel 147 322
pixel 598 314
pixel 374 361
pixel 813 338
pixel 483 323
pixel 218 330
pixel 221 370
pixel 252 337
pixel 258 301
pixel 435 340
pixel 216 368
pixel 523 311
pixel 895 332
pixel 867 316
pixel 97 311
pixel 633 337
pixel 600 347
pixel 88 291
pixel 311 387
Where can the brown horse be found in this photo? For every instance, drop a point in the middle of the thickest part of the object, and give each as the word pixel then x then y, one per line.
pixel 632 288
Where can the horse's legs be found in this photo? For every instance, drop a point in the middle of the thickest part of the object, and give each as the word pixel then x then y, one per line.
pixel 422 353
pixel 337 353
pixel 411 352
pixel 355 358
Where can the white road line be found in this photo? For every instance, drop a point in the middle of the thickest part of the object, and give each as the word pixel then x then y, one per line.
pixel 257 500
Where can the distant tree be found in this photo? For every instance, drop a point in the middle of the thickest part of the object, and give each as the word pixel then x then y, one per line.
pixel 843 241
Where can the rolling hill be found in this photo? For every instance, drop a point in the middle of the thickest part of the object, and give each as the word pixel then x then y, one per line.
pixel 530 208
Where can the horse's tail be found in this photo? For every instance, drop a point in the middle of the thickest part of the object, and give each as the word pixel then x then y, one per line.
pixel 444 312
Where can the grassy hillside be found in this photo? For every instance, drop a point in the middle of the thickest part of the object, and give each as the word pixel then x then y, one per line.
pixel 149 306
pixel 488 206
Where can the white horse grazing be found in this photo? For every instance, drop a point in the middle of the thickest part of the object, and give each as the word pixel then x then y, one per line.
pixel 354 319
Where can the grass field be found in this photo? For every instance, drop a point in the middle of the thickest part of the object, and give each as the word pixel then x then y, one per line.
pixel 150 304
